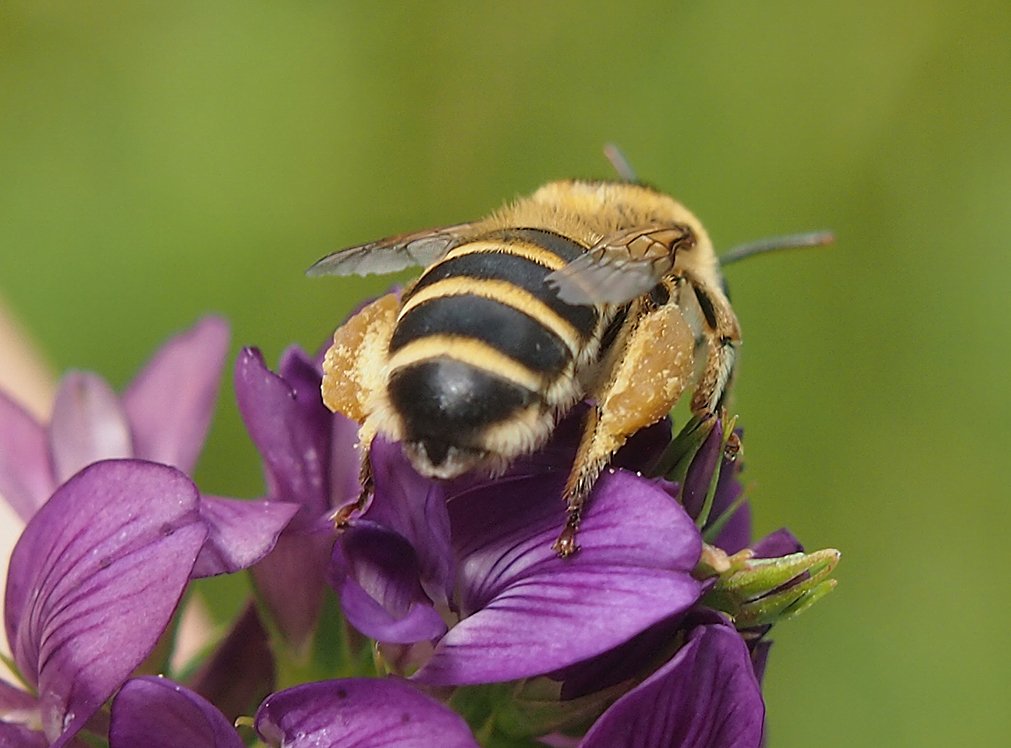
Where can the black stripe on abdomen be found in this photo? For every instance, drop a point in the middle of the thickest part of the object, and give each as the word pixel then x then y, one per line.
pixel 508 330
pixel 517 271
pixel 450 401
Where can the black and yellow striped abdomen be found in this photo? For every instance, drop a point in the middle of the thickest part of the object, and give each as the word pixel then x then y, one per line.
pixel 481 337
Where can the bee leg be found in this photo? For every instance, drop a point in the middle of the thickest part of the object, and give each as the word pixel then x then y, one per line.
pixel 351 367
pixel 647 371
pixel 722 333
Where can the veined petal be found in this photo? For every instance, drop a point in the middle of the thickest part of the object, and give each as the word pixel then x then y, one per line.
pixel 26 475
pixel 376 573
pixel 290 427
pixel 170 403
pixel 93 582
pixel 360 713
pixel 88 425
pixel 157 713
pixel 527 611
pixel 240 533
pixel 707 695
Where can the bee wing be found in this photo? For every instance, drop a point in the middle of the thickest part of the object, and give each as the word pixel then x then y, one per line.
pixel 621 266
pixel 392 253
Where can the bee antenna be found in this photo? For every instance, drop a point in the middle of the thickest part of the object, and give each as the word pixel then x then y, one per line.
pixel 775 243
pixel 619 162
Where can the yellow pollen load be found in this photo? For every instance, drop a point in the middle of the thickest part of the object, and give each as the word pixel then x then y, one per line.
pixel 476 353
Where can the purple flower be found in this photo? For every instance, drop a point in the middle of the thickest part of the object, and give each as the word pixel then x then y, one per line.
pixel 311 465
pixel 480 552
pixel 92 584
pixel 163 416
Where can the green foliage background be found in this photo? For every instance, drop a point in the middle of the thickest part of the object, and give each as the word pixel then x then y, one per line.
pixel 162 160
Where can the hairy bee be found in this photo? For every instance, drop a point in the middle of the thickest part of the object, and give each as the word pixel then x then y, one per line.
pixel 596 290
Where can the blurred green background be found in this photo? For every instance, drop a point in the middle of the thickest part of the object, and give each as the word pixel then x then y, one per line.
pixel 162 160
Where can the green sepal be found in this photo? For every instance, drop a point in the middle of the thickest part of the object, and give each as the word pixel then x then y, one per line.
pixel 766 590
pixel 677 457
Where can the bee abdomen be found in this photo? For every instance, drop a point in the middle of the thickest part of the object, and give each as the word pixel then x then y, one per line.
pixel 447 403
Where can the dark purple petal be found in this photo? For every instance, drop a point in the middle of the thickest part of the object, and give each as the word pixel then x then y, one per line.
pixel 376 574
pixel 782 542
pixel 93 582
pixel 706 696
pixel 414 507
pixel 360 713
pixel 290 427
pixel 291 582
pixel 170 403
pixel 527 611
pixel 88 425
pixel 240 673
pixel 240 533
pixel 304 374
pixel 760 658
pixel 26 476
pixel 157 713
pixel 700 471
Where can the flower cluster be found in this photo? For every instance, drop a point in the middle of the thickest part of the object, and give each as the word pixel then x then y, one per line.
pixel 437 614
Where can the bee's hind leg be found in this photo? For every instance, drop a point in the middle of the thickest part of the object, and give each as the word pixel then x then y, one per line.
pixel 645 373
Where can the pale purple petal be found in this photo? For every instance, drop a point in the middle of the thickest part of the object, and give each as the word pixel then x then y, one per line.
pixel 290 428
pixel 94 579
pixel 88 425
pixel 19 736
pixel 240 672
pixel 414 507
pixel 527 611
pixel 170 403
pixel 707 695
pixel 360 713
pixel 376 574
pixel 240 533
pixel 26 475
pixel 291 582
pixel 13 699
pixel 157 713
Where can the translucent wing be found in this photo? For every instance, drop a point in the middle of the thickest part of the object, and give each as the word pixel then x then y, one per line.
pixel 622 266
pixel 393 253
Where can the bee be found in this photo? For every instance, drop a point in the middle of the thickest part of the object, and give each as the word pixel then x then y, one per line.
pixel 605 291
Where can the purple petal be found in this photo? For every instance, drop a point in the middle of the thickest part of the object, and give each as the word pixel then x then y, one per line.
pixel 360 713
pixel 527 611
pixel 414 507
pixel 291 582
pixel 304 374
pixel 290 427
pixel 157 713
pixel 88 425
pixel 782 542
pixel 26 477
pixel 240 673
pixel 700 471
pixel 94 579
pixel 706 696
pixel 240 533
pixel 171 402
pixel 13 699
pixel 376 573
